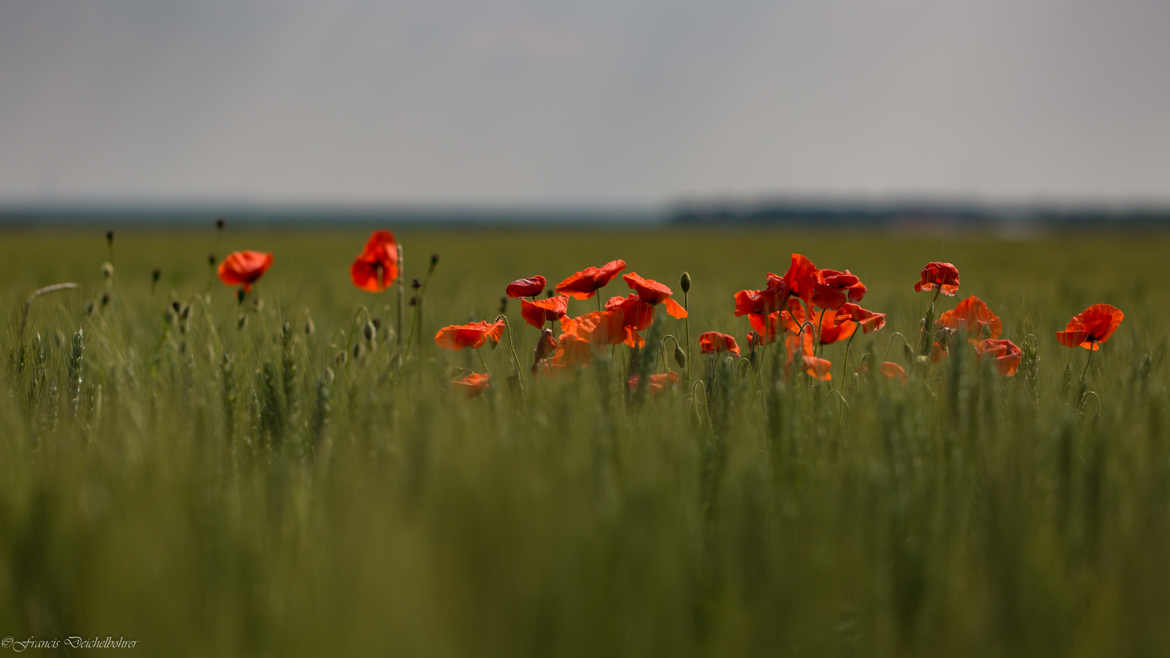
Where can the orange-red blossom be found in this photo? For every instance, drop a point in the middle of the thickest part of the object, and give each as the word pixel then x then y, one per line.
pixel 472 334
pixel 243 268
pixel 1091 327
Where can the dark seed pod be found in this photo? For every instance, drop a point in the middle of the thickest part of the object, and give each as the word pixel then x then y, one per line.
pixel 110 238
pixel 176 307
pixel 105 299
pixel 413 301
pixel 211 260
pixel 155 274
pixel 680 357
pixel 414 283
pixel 357 350
pixel 219 224
pixel 242 321
pixel 240 296
pixel 185 312
pixel 434 262
pixel 89 308
pixel 370 331
pixel 685 282
pixel 503 305
pixel 309 327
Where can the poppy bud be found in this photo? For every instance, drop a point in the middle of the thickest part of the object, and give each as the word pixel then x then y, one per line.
pixel 242 321
pixel 286 331
pixel 370 331
pixel 544 347
pixel 105 299
pixel 211 259
pixel 175 306
pixel 110 238
pixel 89 308
pixel 219 224
pixel 107 269
pixel 183 314
pixel 685 282
pixel 414 283
pixel 680 357
pixel 240 296
pixel 309 327
pixel 155 274
pixel 434 262
pixel 340 358
pixel 413 301
pixel 357 350
pixel 377 323
pixel 503 305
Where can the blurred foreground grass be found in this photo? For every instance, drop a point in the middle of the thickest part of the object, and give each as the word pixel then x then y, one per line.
pixel 218 492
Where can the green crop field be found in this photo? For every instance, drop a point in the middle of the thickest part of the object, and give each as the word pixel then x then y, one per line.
pixel 296 475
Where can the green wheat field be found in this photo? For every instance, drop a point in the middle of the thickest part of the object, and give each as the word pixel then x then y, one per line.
pixel 272 478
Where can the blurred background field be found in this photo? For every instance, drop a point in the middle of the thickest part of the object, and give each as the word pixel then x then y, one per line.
pixel 217 492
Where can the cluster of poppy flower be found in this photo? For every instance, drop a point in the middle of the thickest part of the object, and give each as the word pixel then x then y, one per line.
pixel 808 307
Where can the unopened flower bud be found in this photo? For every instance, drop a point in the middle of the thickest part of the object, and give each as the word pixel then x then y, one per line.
pixel 155 274
pixel 219 224
pixel 503 305
pixel 685 282
pixel 211 260
pixel 680 357
pixel 107 269
pixel 370 331
pixel 110 238
pixel 240 296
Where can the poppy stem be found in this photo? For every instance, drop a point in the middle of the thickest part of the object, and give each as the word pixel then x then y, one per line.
pixel 1088 360
pixel 928 322
pixel 687 329
pixel 845 362
pixel 512 349
pixel 820 332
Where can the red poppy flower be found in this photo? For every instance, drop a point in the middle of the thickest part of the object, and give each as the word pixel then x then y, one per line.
pixel 943 275
pixel 377 266
pixel 765 326
pixel 529 286
pixel 655 293
pixel 713 341
pixel 1091 327
pixel 472 334
pixel 243 268
pixel 832 288
pixel 572 350
pixel 587 282
pixel 834 328
pixel 473 384
pixel 538 311
pixel 868 320
pixel 799 345
pixel 636 313
pixel 818 368
pixel 974 317
pixel 801 277
pixel 794 316
pixel 656 383
pixel 1006 354
pixel 596 328
pixel 546 345
pixel 892 370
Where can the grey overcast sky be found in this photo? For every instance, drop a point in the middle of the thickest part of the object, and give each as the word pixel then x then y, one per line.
pixel 557 101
